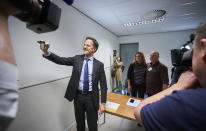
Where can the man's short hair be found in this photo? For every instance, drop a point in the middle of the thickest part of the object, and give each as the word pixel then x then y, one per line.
pixel 200 32
pixel 95 43
pixel 155 52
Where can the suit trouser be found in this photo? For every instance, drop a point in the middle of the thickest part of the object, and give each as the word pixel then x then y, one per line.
pixel 84 103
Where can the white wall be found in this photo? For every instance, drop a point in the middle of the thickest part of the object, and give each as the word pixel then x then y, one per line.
pixel 161 42
pixel 43 108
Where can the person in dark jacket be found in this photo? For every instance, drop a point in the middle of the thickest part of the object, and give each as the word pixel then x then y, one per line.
pixel 87 74
pixel 136 75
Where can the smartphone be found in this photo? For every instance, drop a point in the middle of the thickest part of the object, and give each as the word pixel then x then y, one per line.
pixel 131 101
pixel 42 44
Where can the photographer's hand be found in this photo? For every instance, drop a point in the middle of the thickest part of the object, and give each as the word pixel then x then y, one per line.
pixel 6 51
pixel 187 80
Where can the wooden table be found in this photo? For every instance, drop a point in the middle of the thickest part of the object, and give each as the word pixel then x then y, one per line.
pixel 123 110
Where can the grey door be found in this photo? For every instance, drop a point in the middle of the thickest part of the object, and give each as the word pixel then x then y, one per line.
pixel 127 52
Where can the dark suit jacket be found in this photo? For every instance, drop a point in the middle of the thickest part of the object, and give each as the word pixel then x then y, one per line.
pixel 97 76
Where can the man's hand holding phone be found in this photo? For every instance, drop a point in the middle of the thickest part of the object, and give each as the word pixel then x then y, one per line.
pixel 44 46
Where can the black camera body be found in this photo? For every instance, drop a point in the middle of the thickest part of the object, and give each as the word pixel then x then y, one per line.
pixel 183 56
pixel 40 15
pixel 181 59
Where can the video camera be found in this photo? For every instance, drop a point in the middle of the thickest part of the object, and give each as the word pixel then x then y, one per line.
pixel 183 56
pixel 40 15
pixel 182 59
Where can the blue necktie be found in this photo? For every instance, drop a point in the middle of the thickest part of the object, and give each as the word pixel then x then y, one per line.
pixel 86 77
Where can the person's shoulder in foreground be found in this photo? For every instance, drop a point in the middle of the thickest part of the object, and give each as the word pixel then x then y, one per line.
pixel 171 112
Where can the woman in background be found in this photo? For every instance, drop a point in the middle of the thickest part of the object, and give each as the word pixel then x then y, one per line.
pixel 136 75
pixel 118 65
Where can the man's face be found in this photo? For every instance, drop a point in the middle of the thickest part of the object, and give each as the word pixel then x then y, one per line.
pixel 154 57
pixel 88 48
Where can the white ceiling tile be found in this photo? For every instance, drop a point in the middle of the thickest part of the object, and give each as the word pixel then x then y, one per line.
pixel 112 14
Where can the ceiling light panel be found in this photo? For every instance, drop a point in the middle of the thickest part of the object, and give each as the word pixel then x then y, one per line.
pixel 144 22
pixel 188 3
pixel 153 15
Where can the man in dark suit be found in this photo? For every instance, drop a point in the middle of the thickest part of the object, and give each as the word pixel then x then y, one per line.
pixel 83 85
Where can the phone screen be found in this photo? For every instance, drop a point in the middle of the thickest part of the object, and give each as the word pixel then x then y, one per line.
pixel 131 101
pixel 42 45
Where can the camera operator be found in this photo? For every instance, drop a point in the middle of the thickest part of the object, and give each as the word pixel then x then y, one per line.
pixel 182 106
pixel 8 70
